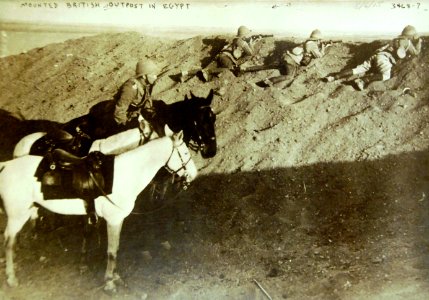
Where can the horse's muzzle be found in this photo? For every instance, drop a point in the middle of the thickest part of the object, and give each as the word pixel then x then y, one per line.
pixel 208 150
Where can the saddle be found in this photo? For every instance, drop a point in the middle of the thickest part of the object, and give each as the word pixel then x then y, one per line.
pixel 66 176
pixel 67 161
pixel 61 139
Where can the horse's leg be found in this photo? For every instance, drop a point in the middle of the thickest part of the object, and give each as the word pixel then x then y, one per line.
pixel 84 250
pixel 13 227
pixel 89 230
pixel 113 236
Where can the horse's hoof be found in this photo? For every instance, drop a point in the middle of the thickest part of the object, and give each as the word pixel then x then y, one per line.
pixel 12 282
pixel 118 280
pixel 110 287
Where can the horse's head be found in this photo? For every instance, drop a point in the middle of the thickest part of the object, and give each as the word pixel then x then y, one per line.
pixel 180 162
pixel 203 121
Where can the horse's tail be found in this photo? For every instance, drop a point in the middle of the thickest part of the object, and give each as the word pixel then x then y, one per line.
pixel 2 166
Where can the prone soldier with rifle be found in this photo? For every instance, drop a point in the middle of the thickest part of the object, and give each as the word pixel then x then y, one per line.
pixel 231 57
pixel 312 48
pixel 256 37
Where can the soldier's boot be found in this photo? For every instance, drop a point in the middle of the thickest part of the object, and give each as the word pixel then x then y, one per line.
pixel 145 129
pixel 361 83
pixel 269 82
pixel 186 74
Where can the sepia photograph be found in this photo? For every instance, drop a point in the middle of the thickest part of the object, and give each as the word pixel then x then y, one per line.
pixel 290 151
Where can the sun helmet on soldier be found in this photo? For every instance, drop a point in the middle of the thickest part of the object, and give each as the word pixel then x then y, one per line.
pixel 401 52
pixel 409 32
pixel 243 31
pixel 146 67
pixel 316 35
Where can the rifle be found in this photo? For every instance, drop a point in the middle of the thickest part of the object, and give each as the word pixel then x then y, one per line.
pixel 257 37
pixel 240 70
pixel 331 42
pixel 260 36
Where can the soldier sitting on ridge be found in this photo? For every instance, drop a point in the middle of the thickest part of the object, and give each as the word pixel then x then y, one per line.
pixel 382 62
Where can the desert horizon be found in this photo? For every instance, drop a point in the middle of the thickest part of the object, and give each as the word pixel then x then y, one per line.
pixel 18 38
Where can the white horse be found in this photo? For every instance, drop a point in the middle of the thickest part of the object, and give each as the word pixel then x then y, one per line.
pixel 133 170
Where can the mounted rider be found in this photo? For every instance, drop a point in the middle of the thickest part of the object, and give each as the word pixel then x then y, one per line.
pixel 135 95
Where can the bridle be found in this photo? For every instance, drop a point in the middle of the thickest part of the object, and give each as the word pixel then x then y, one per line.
pixel 174 173
pixel 196 142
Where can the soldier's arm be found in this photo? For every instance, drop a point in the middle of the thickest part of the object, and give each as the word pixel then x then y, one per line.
pixel 417 48
pixel 313 48
pixel 248 49
pixel 127 96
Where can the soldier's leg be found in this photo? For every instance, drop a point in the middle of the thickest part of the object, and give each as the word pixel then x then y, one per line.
pixel 360 69
pixel 223 64
pixel 383 68
pixel 186 74
pixel 289 70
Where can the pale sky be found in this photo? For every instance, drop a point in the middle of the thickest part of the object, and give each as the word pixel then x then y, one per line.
pixel 278 17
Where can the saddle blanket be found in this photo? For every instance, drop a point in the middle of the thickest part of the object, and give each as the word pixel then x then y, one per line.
pixel 76 180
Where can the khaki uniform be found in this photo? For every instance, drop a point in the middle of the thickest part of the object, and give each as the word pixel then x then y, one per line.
pixel 381 62
pixel 132 93
pixel 409 47
pixel 231 54
pixel 312 49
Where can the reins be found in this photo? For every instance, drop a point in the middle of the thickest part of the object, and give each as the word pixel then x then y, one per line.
pixel 101 189
pixel 171 171
pixel 196 143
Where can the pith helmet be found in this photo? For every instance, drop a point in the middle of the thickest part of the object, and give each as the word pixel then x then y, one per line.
pixel 243 31
pixel 146 67
pixel 316 35
pixel 409 32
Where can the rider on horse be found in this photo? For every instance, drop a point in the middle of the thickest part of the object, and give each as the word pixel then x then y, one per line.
pixel 135 95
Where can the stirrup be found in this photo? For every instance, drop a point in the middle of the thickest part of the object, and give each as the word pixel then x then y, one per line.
pixel 92 218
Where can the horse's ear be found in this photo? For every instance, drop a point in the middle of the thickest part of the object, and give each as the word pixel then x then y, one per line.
pixel 186 97
pixel 168 131
pixel 180 135
pixel 192 95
